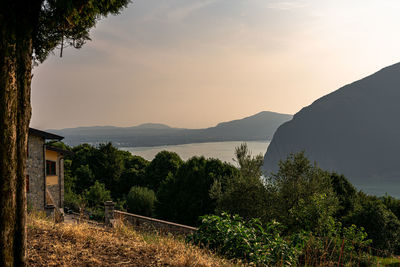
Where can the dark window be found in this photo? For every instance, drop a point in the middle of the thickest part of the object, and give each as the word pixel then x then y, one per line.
pixel 27 183
pixel 50 167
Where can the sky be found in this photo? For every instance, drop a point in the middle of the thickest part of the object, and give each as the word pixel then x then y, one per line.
pixel 196 63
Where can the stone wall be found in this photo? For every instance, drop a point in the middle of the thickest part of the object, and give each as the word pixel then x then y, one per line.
pixel 35 170
pixel 147 223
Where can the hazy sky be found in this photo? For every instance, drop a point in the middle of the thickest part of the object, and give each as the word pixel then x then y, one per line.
pixel 194 63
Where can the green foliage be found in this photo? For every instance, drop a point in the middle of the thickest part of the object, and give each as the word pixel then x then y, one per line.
pixel 59 144
pixel 313 214
pixel 133 174
pixel 300 196
pixel 392 204
pixel 163 164
pixel 346 194
pixel 66 22
pixel 95 196
pixel 141 200
pixel 349 244
pixel 249 166
pixel 109 166
pixel 299 188
pixel 382 226
pixel 185 196
pixel 235 238
pixel 84 178
pixel 243 194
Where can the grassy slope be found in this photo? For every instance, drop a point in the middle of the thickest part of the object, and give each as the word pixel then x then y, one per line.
pixel 52 244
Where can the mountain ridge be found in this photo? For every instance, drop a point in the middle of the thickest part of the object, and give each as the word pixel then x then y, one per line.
pixel 260 126
pixel 351 130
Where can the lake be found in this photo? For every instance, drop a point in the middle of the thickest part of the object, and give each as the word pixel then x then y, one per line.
pixel 220 150
pixel 225 152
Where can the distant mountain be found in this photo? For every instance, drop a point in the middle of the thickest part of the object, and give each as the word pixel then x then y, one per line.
pixel 257 127
pixel 354 131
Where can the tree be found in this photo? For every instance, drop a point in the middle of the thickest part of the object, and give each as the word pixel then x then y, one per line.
pixel 346 194
pixel 108 165
pixel 299 188
pixel 134 174
pixel 249 166
pixel 245 193
pixel 29 31
pixel 164 162
pixel 95 197
pixel 141 200
pixel 185 196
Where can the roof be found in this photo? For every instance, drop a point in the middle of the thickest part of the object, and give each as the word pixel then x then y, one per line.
pixel 59 150
pixel 44 135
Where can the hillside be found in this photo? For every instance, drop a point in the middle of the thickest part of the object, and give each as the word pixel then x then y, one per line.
pixel 353 131
pixel 257 127
pixel 52 244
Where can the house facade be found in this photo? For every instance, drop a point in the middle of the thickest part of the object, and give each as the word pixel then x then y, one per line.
pixel 44 171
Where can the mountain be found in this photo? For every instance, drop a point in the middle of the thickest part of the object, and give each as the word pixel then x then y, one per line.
pixel 354 131
pixel 260 126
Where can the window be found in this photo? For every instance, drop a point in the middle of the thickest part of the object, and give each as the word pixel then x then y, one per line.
pixel 50 167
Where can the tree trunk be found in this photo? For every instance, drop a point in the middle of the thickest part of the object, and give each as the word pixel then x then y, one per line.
pixel 15 113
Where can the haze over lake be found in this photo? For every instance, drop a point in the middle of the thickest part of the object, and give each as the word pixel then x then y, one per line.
pixel 220 150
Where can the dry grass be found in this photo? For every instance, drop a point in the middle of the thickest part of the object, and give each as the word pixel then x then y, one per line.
pixel 52 244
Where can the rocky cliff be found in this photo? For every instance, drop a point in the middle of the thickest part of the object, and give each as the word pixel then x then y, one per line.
pixel 354 131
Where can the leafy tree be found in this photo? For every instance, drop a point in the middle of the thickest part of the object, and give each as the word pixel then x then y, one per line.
pixel 245 193
pixel 382 226
pixel 295 187
pixel 97 194
pixel 29 31
pixel 249 166
pixel 392 204
pixel 83 155
pixel 134 174
pixel 84 178
pixel 244 196
pixel 184 197
pixel 141 200
pixel 109 166
pixel 164 162
pixel 346 194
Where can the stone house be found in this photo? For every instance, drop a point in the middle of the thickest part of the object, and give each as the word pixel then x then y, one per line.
pixel 44 172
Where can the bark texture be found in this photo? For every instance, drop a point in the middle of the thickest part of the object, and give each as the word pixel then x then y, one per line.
pixel 16 31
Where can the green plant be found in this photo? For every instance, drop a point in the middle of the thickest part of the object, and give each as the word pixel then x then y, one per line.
pixel 247 240
pixel 141 200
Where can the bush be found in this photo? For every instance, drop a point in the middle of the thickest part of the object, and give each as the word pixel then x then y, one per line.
pixel 303 197
pixel 140 200
pixel 249 241
pixel 382 226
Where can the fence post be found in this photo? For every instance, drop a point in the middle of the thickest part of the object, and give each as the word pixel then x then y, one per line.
pixel 109 212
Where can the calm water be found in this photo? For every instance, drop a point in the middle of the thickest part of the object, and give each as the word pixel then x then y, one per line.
pixel 220 150
pixel 225 152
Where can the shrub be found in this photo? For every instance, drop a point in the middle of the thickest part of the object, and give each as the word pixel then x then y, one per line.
pixel 249 241
pixel 140 200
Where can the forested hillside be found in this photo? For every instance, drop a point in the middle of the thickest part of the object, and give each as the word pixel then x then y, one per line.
pixel 301 206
